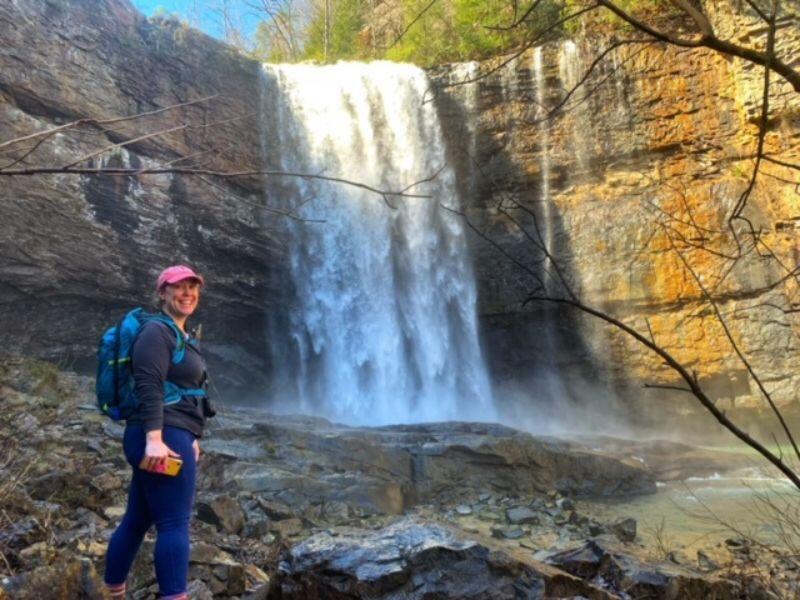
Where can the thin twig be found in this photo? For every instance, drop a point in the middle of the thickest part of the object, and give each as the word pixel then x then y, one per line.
pixel 100 122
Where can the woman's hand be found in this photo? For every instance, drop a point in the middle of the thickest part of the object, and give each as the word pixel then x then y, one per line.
pixel 196 448
pixel 156 452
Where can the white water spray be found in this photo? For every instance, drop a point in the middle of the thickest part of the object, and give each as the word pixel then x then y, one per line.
pixel 383 326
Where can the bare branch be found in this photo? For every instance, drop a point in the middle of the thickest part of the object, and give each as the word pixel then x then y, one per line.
pixel 737 350
pixel 528 45
pixel 516 22
pixel 762 132
pixel 140 138
pixel 714 43
pixel 689 378
pixel 102 122
pixel 782 163
pixel 408 27
pixel 698 17
pixel 564 101
pixel 758 10
pixel 660 386
pixel 207 172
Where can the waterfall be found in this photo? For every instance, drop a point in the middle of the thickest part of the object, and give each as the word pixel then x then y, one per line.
pixel 382 326
pixel 550 382
pixel 571 69
pixel 544 131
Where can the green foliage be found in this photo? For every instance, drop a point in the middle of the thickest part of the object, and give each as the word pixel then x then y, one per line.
pixel 649 11
pixel 266 46
pixel 339 35
pixel 276 39
pixel 456 30
pixel 438 32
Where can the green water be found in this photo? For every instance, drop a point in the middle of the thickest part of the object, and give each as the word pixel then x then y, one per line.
pixel 700 513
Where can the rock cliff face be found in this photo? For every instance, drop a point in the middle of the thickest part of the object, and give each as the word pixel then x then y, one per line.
pixel 657 146
pixel 654 150
pixel 79 251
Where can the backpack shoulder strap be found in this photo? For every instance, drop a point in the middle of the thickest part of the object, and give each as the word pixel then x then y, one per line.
pixel 180 340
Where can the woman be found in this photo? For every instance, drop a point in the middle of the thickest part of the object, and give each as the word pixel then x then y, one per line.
pixel 158 431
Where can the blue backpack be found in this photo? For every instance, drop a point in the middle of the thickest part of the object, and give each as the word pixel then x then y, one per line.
pixel 115 385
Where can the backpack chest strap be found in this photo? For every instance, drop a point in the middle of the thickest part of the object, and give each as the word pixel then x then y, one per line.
pixel 173 393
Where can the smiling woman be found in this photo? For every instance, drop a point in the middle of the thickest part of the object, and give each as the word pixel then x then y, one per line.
pixel 160 441
pixel 179 292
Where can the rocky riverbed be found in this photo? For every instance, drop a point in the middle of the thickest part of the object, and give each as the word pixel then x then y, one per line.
pixel 298 507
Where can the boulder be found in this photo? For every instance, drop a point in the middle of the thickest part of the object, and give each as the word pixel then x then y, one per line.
pixel 620 573
pixel 413 559
pixel 624 529
pixel 217 570
pixel 275 510
pixel 198 590
pixel 522 515
pixel 287 528
pixel 222 511
pixel 388 470
pixel 66 580
pixel 508 533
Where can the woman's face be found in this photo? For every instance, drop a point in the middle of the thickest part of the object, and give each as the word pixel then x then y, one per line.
pixel 180 299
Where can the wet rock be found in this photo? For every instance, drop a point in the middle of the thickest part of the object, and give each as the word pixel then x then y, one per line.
pixel 198 590
pixel 335 512
pixel 256 526
pixel 565 504
pixel 223 512
pixel 387 470
pixel 62 581
pixel 106 482
pixel 705 562
pixel 409 559
pixel 508 533
pixel 624 529
pixel 255 577
pixel 41 552
pixel 21 533
pixel 522 515
pixel 114 513
pixel 620 573
pixel 490 514
pixel 463 510
pixel 538 504
pixel 583 561
pixel 275 510
pixel 217 570
pixel 287 528
pixel 595 528
pixel 577 519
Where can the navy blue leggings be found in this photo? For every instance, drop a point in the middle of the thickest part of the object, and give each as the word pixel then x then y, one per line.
pixel 161 500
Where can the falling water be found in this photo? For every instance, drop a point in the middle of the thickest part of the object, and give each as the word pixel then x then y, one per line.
pixel 550 381
pixel 544 132
pixel 382 327
pixel 570 70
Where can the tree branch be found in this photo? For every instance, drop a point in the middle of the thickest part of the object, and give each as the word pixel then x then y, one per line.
pixel 714 43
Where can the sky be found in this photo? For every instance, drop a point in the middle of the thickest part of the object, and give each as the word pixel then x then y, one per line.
pixel 206 15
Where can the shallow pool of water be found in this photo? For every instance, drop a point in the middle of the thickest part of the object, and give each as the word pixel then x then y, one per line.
pixel 703 512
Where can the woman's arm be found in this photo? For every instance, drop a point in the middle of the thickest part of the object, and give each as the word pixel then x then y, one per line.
pixel 151 358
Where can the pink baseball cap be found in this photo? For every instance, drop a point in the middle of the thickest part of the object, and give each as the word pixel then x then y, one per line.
pixel 177 273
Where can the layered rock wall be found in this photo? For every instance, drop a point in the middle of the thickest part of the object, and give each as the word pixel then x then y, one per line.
pixel 78 251
pixel 656 147
pixel 632 179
